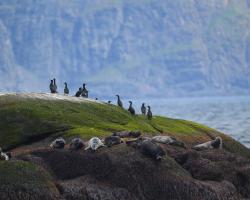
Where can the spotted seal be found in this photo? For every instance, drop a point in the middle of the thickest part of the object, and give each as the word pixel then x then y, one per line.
pixel 58 143
pixel 213 144
pixel 94 143
pixel 76 143
pixel 112 140
pixel 164 139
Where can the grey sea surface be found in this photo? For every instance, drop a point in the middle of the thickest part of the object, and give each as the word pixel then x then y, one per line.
pixel 230 115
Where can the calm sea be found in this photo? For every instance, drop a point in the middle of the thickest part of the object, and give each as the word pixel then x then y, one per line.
pixel 231 115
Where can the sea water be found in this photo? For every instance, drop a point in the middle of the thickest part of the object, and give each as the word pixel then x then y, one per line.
pixel 230 115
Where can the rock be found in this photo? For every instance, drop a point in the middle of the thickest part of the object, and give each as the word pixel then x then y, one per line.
pixel 26 181
pixel 119 172
pixel 91 189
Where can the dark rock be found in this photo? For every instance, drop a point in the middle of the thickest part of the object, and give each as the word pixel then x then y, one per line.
pixel 122 172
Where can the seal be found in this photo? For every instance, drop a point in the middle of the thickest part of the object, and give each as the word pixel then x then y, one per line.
pixel 128 134
pixel 164 139
pixel 94 143
pixel 58 143
pixel 112 140
pixel 148 148
pixel 76 144
pixel 152 150
pixel 4 156
pixel 213 144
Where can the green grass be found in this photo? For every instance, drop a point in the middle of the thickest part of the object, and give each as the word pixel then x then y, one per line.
pixel 23 120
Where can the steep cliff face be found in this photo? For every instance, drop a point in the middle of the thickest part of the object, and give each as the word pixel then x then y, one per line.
pixel 144 47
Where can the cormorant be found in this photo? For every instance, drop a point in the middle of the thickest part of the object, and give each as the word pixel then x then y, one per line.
pixel 131 109
pixel 143 109
pixel 149 113
pixel 66 89
pixel 79 92
pixel 119 102
pixel 51 86
pixel 55 86
pixel 85 92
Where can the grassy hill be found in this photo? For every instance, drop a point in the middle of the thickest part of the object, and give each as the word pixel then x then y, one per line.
pixel 27 118
pixel 42 173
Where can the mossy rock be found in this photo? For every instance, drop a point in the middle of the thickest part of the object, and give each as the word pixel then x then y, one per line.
pixel 24 180
pixel 25 118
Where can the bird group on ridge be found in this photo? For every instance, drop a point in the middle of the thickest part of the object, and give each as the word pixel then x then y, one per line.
pixel 83 92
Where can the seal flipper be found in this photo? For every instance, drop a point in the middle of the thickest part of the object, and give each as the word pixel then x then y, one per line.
pixel 88 147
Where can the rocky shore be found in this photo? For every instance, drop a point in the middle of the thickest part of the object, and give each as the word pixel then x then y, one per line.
pixel 36 172
pixel 121 172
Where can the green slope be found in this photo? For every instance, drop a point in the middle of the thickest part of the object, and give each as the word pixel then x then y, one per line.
pixel 25 120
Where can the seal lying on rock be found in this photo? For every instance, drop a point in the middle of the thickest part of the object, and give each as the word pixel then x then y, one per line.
pixel 58 143
pixel 112 140
pixel 76 144
pixel 168 140
pixel 124 134
pixel 152 150
pixel 214 144
pixel 94 143
pixel 4 156
pixel 148 148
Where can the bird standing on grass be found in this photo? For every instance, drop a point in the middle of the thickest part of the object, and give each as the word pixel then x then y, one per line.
pixel 143 109
pixel 66 89
pixel 79 92
pixel 85 92
pixel 51 86
pixel 149 113
pixel 131 109
pixel 119 102
pixel 55 86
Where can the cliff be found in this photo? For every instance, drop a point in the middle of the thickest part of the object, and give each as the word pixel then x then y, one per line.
pixel 177 47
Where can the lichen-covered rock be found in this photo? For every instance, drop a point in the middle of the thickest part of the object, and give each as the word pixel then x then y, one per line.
pixel 108 173
pixel 21 180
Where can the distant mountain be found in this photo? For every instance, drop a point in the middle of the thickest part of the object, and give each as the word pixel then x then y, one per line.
pixel 134 48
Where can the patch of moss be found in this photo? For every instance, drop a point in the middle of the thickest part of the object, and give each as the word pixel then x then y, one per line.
pixel 20 174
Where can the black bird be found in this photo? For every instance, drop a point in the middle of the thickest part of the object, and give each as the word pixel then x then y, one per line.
pixel 55 86
pixel 85 92
pixel 143 109
pixel 109 102
pixel 119 102
pixel 51 86
pixel 79 92
pixel 66 89
pixel 96 99
pixel 149 113
pixel 131 109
